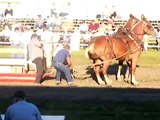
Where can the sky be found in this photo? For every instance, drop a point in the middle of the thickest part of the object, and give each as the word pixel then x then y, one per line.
pixel 89 8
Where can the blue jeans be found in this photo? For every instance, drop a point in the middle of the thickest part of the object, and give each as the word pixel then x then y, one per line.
pixel 61 68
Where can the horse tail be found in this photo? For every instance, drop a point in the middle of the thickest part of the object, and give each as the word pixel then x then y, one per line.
pixel 88 50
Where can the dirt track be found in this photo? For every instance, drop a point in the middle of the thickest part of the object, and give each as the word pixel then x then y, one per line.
pixel 147 77
pixel 88 89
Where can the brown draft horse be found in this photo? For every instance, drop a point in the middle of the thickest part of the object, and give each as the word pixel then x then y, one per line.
pixel 122 31
pixel 126 48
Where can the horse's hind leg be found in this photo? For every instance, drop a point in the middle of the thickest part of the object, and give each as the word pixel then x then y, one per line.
pixel 97 72
pixel 105 69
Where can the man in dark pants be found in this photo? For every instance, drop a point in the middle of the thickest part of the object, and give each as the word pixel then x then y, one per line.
pixel 62 63
pixel 36 56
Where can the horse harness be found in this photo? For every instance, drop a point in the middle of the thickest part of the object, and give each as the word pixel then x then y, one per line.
pixel 132 38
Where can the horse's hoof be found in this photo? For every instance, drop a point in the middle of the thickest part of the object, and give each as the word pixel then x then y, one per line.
pixel 126 80
pixel 119 80
pixel 109 83
pixel 102 83
pixel 135 83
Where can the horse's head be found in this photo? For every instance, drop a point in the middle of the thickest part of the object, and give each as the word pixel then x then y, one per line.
pixel 131 22
pixel 148 27
pixel 143 27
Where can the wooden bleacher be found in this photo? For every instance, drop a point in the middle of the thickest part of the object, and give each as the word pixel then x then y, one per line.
pixel 70 25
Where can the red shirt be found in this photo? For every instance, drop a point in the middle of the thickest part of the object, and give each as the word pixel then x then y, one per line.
pixel 93 27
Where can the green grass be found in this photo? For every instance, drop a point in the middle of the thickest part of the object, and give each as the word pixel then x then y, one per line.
pixel 80 59
pixel 150 58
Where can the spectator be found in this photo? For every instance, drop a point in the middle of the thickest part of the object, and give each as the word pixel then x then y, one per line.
pixel 39 22
pixel 62 63
pixel 102 28
pixel 145 42
pixel 158 38
pixel 26 34
pixel 21 109
pixel 110 24
pixel 17 24
pixel 15 38
pixel 113 13
pixel 75 40
pixel 6 33
pixel 47 37
pixel 26 37
pixel 8 11
pixel 36 55
pixel 83 28
pixel 93 27
pixel 57 23
pixel 49 22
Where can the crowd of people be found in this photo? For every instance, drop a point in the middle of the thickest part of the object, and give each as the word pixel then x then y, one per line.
pixel 41 41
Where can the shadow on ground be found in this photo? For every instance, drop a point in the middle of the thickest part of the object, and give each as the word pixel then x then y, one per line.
pixel 83 93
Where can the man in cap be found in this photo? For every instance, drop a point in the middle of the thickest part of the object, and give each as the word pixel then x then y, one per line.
pixel 62 63
pixel 21 109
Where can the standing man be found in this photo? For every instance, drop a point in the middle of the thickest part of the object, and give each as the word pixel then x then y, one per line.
pixel 8 13
pixel 93 27
pixel 46 38
pixel 36 54
pixel 21 109
pixel 62 63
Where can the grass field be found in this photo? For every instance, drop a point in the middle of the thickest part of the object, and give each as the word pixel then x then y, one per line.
pixel 98 109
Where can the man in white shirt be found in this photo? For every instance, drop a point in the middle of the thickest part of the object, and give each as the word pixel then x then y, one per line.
pixel 46 38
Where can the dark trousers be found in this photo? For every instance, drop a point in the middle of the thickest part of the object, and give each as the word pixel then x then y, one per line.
pixel 39 66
